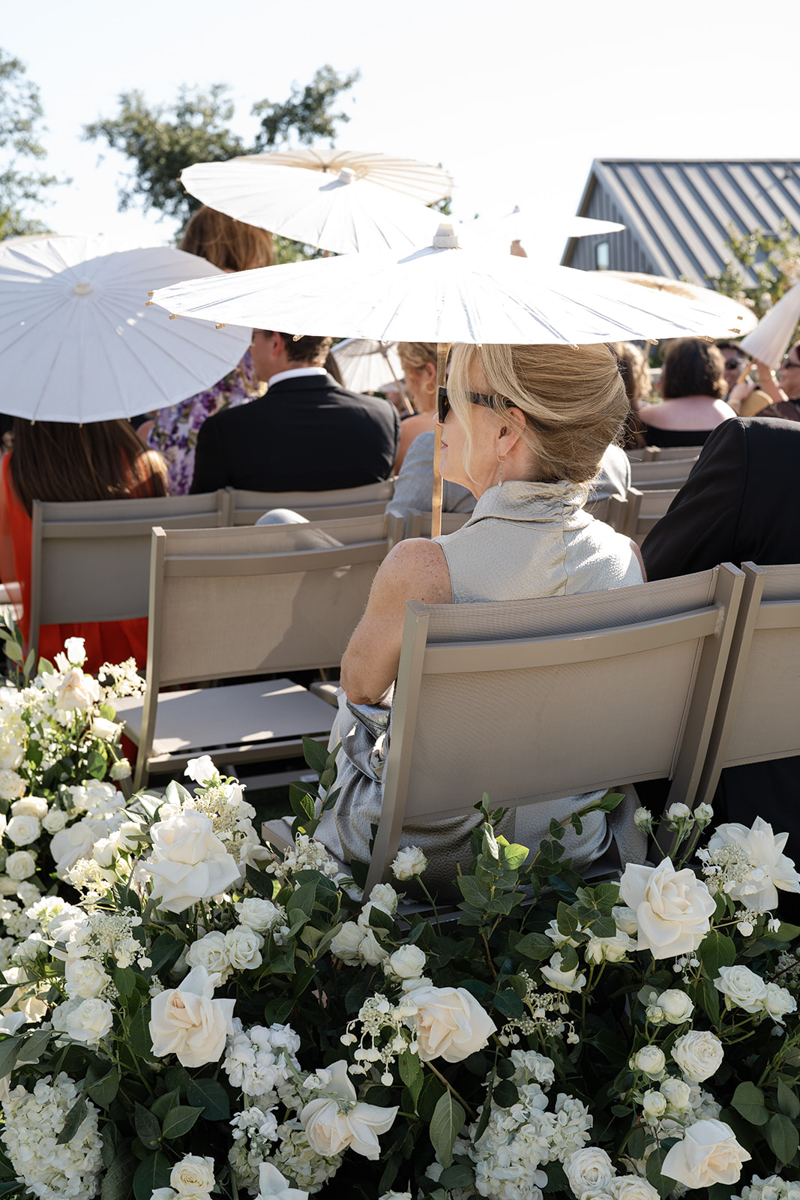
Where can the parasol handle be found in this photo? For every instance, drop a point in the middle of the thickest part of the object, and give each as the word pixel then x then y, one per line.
pixel 442 351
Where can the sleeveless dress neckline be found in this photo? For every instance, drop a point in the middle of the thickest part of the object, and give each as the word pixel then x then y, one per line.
pixel 533 500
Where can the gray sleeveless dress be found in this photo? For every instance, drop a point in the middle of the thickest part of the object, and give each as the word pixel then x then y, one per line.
pixel 523 540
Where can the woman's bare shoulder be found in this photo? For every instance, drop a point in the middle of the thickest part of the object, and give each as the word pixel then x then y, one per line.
pixel 417 569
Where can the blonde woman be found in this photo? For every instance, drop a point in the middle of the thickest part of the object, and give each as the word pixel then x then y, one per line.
pixel 524 428
pixel 418 360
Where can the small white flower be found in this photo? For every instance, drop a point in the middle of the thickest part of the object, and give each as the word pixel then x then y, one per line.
pixel 654 1103
pixel 650 1061
pixel 201 770
pixel 741 987
pixel 121 769
pixel 76 651
pixel 410 861
pixel 678 812
pixel 563 981
pixel 384 895
pixel 699 1055
pixel 55 820
pixel 676 1006
pixel 406 963
pixel 643 819
pixel 703 814
pixel 20 865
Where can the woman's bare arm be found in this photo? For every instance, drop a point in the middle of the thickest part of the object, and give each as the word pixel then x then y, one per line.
pixel 413 570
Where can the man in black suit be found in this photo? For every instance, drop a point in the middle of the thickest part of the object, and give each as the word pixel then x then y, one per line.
pixel 307 434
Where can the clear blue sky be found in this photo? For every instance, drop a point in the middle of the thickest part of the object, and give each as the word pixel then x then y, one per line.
pixel 514 97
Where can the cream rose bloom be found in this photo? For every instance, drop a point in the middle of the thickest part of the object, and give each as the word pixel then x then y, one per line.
pixel 742 988
pixel 256 913
pixel 74 842
pixel 76 692
pixel 673 908
pixel 650 1061
pixel 563 981
pixel 210 952
pixel 193 1175
pixel 338 1123
pixel 708 1154
pixel 244 948
pixel 588 1170
pixel 55 820
pixel 676 1006
pixel 779 1002
pixel 772 869
pixel 410 861
pixel 273 1186
pixel 347 942
pixel 450 1023
pixel 12 785
pixel 187 1021
pixel 406 963
pixel 654 1104
pixel 30 806
pixel 632 1187
pixel 86 1021
pixel 678 1094
pixel 370 950
pixel 22 830
pixel 699 1055
pixel 625 919
pixel 608 949
pixel 107 731
pixel 189 863
pixel 20 865
pixel 85 978
pixel 201 770
pixel 75 648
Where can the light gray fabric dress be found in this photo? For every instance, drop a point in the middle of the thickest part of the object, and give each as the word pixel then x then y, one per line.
pixel 523 540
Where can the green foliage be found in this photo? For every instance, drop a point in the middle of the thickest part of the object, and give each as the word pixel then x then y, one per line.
pixel 307 114
pixel 21 126
pixel 774 258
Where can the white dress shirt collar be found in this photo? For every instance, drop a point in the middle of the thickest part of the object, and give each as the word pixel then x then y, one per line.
pixel 296 373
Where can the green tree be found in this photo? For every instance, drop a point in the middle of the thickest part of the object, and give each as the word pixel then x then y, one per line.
pixel 160 140
pixel 20 127
pixel 774 258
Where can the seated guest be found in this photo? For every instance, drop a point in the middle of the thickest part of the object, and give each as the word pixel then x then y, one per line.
pixel 232 246
pixel 692 389
pixel 418 360
pixel 744 396
pixel 307 434
pixel 787 407
pixel 56 462
pixel 524 429
pixel 736 506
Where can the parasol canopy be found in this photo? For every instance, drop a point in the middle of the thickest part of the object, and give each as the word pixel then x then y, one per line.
pixel 367 365
pixel 418 180
pixel 740 318
pixel 772 336
pixel 78 342
pixel 339 213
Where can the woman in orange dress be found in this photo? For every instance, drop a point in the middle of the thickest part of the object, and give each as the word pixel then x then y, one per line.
pixel 56 462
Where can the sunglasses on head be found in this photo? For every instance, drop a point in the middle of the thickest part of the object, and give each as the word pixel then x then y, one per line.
pixel 789 362
pixel 443 402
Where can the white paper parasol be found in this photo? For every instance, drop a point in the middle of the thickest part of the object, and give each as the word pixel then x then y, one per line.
pixel 78 342
pixel 740 318
pixel 418 180
pixel 340 213
pixel 526 225
pixel 772 336
pixel 367 365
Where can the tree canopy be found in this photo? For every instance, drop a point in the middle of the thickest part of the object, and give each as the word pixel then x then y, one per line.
pixel 21 125
pixel 774 258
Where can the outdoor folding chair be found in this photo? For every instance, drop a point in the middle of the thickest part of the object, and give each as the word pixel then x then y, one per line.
pixel 90 560
pixel 538 699
pixel 756 718
pixel 670 473
pixel 369 501
pixel 244 602
pixel 652 505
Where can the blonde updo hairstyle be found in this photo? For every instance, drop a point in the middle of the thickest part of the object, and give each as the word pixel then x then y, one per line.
pixel 573 399
pixel 416 354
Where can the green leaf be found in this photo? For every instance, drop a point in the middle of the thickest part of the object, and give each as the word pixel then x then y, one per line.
pixel 151 1174
pixel 508 1003
pixel 125 981
pixel 782 1137
pixel 148 1128
pixel 165 951
pixel 411 1073
pixel 787 1101
pixel 140 1041
pixel 536 946
pixel 104 1091
pixel 73 1121
pixel 315 755
pixel 160 1107
pixel 180 1120
pixel 472 891
pixel 460 1175
pixel 116 1183
pixel 716 950
pixel 512 853
pixel 262 884
pixel 446 1123
pixel 34 1046
pixel 9 1053
pixel 748 1100
pixel 505 1093
pixel 302 804
pixel 96 764
pixel 662 1183
pixel 211 1096
pixel 429 1097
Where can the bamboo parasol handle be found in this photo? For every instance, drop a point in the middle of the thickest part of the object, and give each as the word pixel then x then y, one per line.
pixel 442 351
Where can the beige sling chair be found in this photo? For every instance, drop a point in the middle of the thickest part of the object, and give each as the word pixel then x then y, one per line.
pixel 651 507
pixel 533 700
pixel 661 474
pixel 611 509
pixel 369 501
pixel 245 602
pixel 90 560
pixel 660 453
pixel 757 717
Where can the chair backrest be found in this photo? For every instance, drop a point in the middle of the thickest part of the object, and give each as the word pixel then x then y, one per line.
pixel 418 524
pixel 652 506
pixel 661 474
pixel 757 714
pixel 539 699
pixel 90 560
pixel 611 509
pixel 368 501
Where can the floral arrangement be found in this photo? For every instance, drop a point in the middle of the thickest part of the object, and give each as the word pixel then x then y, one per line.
pixel 216 1018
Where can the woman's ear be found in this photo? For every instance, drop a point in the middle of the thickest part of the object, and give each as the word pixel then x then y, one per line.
pixel 430 377
pixel 511 433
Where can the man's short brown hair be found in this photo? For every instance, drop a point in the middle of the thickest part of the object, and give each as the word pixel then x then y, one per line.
pixel 312 351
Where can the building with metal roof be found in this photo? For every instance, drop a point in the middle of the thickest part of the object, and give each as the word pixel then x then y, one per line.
pixel 679 213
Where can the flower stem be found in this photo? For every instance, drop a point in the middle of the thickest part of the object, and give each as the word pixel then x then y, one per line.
pixel 488 955
pixel 467 1107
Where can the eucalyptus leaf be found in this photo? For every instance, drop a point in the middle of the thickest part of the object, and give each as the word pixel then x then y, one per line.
pixel 446 1123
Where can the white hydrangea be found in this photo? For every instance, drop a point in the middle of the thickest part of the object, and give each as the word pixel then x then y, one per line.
pixel 254 1131
pixel 771 1188
pixel 531 1067
pixel 33 1121
pixel 307 855
pixel 260 1061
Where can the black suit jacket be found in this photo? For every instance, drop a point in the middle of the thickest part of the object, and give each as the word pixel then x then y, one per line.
pixel 738 505
pixel 305 435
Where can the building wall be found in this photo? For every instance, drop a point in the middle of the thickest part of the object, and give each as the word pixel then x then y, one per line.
pixel 625 250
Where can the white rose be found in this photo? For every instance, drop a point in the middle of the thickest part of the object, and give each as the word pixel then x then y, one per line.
pixel 76 692
pixel 210 952
pixel 608 949
pixel 632 1187
pixel 96 797
pixel 675 1005
pixel 30 806
pixel 564 981
pixel 8 887
pixel 107 731
pixel 28 893
pixel 12 785
pixel 339 1123
pixel 347 942
pixel 406 963
pixel 450 1023
pixel 699 1055
pixel 20 865
pixel 654 1103
pixel 192 1175
pixel 85 978
pixel 370 950
pixel 121 769
pixel 708 1154
pixel 588 1170
pixel 76 651
pixel 105 851
pixel 678 1094
pixel 384 895
pixel 256 913
pixel 189 862
pixel 650 1061
pixel 189 1023
pixel 86 1021
pixel 201 770
pixel 11 751
pixel 75 842
pixel 678 812
pixel 410 861
pixel 55 820
pixel 23 830
pixel 779 1002
pixel 741 987
pixel 772 869
pixel 703 814
pixel 273 1186
pixel 244 948
pixel 673 908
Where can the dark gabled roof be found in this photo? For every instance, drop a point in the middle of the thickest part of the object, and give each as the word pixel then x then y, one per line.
pixel 681 210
